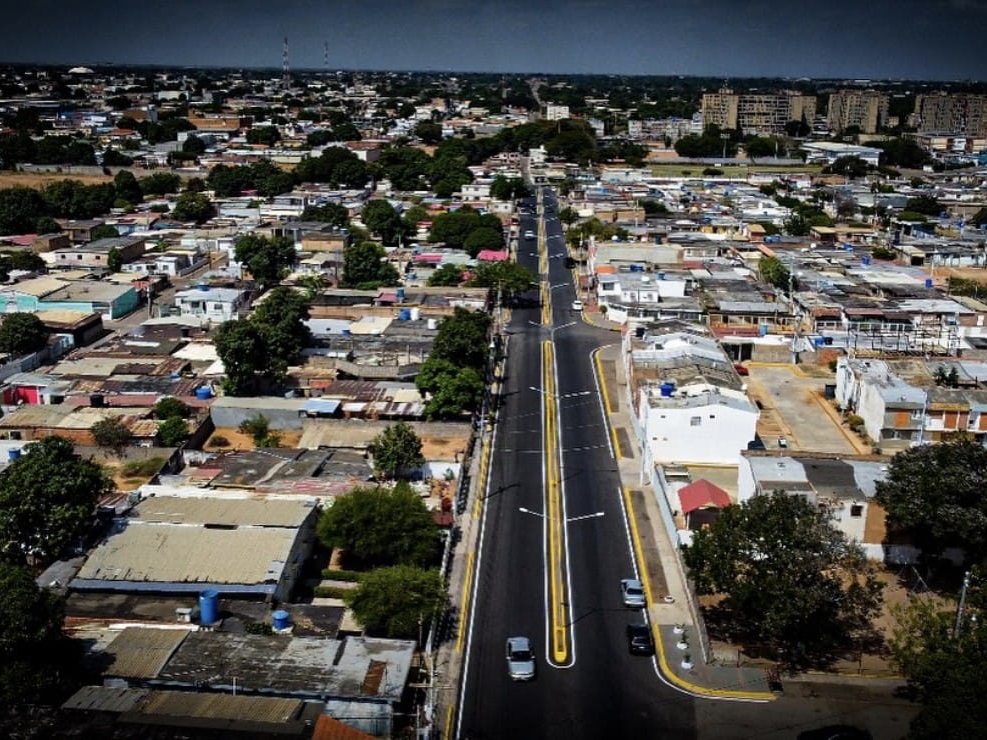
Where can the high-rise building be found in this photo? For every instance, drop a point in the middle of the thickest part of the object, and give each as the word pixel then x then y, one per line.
pixel 865 109
pixel 952 113
pixel 757 113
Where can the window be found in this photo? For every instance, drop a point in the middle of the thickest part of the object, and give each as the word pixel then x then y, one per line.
pixel 695 421
pixel 917 414
pixel 856 510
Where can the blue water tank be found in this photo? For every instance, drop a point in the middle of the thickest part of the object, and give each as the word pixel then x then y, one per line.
pixel 661 276
pixel 13 454
pixel 204 287
pixel 404 314
pixel 346 332
pixel 204 393
pixel 819 342
pixel 928 282
pixel 762 330
pixel 667 389
pixel 400 295
pixel 847 247
pixel 208 606
pixel 280 619
pixel 865 260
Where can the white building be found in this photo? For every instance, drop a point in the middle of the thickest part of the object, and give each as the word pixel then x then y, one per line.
pixel 555 112
pixel 892 409
pixel 215 304
pixel 690 405
pixel 830 151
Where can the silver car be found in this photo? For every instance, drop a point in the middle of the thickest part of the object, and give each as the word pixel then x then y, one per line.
pixel 632 592
pixel 520 659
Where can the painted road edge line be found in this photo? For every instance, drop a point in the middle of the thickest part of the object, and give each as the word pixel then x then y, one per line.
pixel 606 402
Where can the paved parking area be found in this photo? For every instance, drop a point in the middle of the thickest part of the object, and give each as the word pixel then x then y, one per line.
pixel 791 408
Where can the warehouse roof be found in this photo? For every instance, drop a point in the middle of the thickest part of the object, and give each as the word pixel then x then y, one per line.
pixel 240 512
pixel 139 652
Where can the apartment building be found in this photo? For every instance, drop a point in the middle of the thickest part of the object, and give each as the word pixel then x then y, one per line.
pixel 757 113
pixel 865 109
pixel 952 113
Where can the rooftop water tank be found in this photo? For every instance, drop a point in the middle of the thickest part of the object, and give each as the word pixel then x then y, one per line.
pixel 667 389
pixel 204 287
pixel 208 606
pixel 404 314
pixel 433 324
pixel 400 295
pixel 865 260
pixel 416 314
pixel 928 282
pixel 204 393
pixel 13 453
pixel 280 619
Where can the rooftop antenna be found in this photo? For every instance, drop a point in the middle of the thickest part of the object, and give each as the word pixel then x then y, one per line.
pixel 285 73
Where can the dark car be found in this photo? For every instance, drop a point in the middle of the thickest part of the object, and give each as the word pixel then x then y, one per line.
pixel 569 262
pixel 639 639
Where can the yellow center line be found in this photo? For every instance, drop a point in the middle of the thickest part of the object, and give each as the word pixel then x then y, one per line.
pixel 558 608
pixel 448 732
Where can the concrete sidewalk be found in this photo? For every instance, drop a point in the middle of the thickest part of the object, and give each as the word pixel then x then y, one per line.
pixel 662 572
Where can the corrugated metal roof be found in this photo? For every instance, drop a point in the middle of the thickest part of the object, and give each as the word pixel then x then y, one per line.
pixel 222 706
pixel 139 652
pixel 259 511
pixel 161 553
pixel 105 699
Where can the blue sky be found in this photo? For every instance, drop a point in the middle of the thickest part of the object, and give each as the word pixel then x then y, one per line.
pixel 936 39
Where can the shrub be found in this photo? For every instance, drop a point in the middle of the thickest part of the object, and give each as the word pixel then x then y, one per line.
pixel 351 576
pixel 142 468
pixel 855 422
pixel 219 441
pixel 330 592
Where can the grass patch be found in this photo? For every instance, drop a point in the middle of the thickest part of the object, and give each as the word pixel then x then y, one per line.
pixel 351 576
pixel 142 468
pixel 331 592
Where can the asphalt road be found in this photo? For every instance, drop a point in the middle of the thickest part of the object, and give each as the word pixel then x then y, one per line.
pixel 602 691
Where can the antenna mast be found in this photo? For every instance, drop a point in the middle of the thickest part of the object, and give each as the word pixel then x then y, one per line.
pixel 285 70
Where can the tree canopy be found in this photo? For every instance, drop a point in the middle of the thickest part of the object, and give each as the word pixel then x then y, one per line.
pixel 397 601
pixel 508 277
pixel 935 493
pixel 47 499
pixel 280 320
pixel 790 580
pixel 448 274
pixel 267 259
pixel 380 526
pixel 193 207
pixel 382 219
pixel 365 267
pixel 22 334
pixel 503 188
pixel 241 347
pixel 395 450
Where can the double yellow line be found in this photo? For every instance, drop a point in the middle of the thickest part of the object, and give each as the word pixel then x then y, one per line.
pixel 558 601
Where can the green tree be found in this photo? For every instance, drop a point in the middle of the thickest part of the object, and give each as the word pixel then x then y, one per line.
pixel 773 271
pixel 160 183
pixel 259 429
pixel 241 347
pixel 112 433
pixel 395 602
pixel 20 209
pixel 267 259
pixel 503 188
pixel 452 390
pixel 428 132
pixel 48 225
pixel 396 449
pixel 446 275
pixel 173 431
pixel 927 205
pixel 851 166
pixel 462 338
pixel 37 662
pixel 280 320
pixel 264 135
pixel 22 334
pixel 568 215
pixel 104 231
pixel 127 187
pixel 365 264
pixel 508 277
pixel 945 670
pixel 653 208
pixel 980 217
pixel 381 219
pixel 790 581
pixel 48 499
pixel 484 238
pixel 935 493
pixel 759 146
pixel 193 145
pixel 169 407
pixel 193 207
pixel 380 526
pixel 330 213
pixel 114 260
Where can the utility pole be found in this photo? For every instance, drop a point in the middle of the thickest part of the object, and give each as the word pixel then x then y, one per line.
pixel 961 607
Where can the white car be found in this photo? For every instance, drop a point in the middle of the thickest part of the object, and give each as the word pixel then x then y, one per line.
pixel 577 305
pixel 632 593
pixel 520 659
pixel 529 234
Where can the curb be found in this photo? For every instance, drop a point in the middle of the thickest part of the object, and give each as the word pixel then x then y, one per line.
pixel 664 668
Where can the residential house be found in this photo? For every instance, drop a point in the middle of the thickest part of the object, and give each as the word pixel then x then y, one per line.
pixel 215 304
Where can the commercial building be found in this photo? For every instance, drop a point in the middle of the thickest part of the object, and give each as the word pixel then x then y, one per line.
pixel 865 109
pixel 690 405
pixel 757 113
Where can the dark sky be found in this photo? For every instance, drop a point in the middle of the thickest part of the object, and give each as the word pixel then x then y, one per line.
pixel 931 39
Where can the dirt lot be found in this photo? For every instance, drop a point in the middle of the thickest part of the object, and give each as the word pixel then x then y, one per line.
pixel 792 407
pixel 237 440
pixel 40 179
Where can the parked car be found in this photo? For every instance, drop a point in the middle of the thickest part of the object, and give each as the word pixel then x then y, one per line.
pixel 529 234
pixel 577 305
pixel 569 262
pixel 632 592
pixel 639 639
pixel 520 659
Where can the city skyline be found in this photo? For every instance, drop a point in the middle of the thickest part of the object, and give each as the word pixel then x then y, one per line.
pixel 756 38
